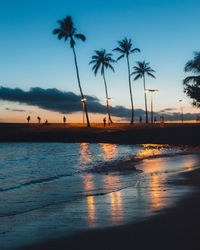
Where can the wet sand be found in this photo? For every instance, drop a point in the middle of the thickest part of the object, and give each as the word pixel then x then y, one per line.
pixel 175 134
pixel 175 228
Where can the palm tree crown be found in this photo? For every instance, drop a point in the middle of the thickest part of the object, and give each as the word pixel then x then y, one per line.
pixel 125 48
pixel 193 66
pixel 141 69
pixel 102 60
pixel 67 30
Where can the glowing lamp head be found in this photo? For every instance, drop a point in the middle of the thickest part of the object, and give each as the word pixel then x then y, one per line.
pixel 83 99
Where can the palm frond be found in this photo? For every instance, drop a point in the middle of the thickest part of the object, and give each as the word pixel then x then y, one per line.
pixel 80 36
pixel 135 50
pixel 149 74
pixel 120 57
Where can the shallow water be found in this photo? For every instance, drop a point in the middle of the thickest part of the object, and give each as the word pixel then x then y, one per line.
pixel 48 190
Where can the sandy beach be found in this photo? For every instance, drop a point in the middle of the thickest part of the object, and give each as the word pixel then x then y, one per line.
pixel 171 133
pixel 175 227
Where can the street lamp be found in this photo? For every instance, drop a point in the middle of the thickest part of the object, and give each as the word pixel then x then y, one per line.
pixel 83 101
pixel 151 91
pixel 181 102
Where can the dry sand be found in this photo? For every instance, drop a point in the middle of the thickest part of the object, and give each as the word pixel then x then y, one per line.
pixel 176 134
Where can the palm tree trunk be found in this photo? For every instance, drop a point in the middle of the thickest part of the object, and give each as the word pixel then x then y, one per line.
pixel 79 84
pixel 107 100
pixel 145 99
pixel 129 78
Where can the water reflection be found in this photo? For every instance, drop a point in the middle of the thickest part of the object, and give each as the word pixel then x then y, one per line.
pixel 91 211
pixel 116 208
pixel 156 193
pixel 85 153
pixel 154 170
pixel 110 150
pixel 151 149
pixel 88 182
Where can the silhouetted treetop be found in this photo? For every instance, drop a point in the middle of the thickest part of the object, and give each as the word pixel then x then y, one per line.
pixel 192 83
pixel 67 30
pixel 125 48
pixel 141 69
pixel 102 60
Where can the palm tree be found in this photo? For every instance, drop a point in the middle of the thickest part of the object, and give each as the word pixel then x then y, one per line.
pixel 65 31
pixel 140 70
pixel 192 83
pixel 193 66
pixel 103 60
pixel 126 48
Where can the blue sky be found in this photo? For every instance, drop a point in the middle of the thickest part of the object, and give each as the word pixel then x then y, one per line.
pixel 165 31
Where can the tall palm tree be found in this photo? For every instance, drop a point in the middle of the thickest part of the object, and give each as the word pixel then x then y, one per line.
pixel 126 48
pixel 65 31
pixel 103 60
pixel 140 70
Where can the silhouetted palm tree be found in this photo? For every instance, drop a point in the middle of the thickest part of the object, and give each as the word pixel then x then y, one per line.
pixel 193 66
pixel 101 61
pixel 126 48
pixel 140 70
pixel 65 31
pixel 192 83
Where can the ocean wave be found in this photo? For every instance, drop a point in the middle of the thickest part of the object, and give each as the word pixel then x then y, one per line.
pixel 35 182
pixel 129 164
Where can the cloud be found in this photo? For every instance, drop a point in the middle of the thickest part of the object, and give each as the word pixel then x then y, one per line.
pixel 166 110
pixel 68 102
pixel 16 110
pixel 58 101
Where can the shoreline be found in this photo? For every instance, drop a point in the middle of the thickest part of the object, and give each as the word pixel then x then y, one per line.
pixel 173 134
pixel 174 228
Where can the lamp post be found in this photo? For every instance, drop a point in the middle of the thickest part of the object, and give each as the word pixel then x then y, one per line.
pixel 181 102
pixel 151 92
pixel 83 101
pixel 108 99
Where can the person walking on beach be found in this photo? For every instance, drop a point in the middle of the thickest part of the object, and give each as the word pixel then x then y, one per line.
pixel 28 119
pixel 64 119
pixel 104 122
pixel 39 119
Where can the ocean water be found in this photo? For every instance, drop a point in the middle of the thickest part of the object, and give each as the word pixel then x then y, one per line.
pixel 48 190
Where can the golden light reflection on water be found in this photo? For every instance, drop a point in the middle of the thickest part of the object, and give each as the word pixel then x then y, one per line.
pixel 151 149
pixel 89 186
pixel 116 206
pixel 156 193
pixel 110 150
pixel 85 153
pixel 156 183
pixel 91 211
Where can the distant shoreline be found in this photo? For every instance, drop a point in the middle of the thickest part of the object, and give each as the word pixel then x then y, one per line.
pixel 119 133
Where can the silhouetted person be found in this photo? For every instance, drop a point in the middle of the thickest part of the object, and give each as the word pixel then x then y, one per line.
pixel 28 119
pixel 46 122
pixel 140 119
pixel 155 118
pixel 104 122
pixel 64 119
pixel 39 119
